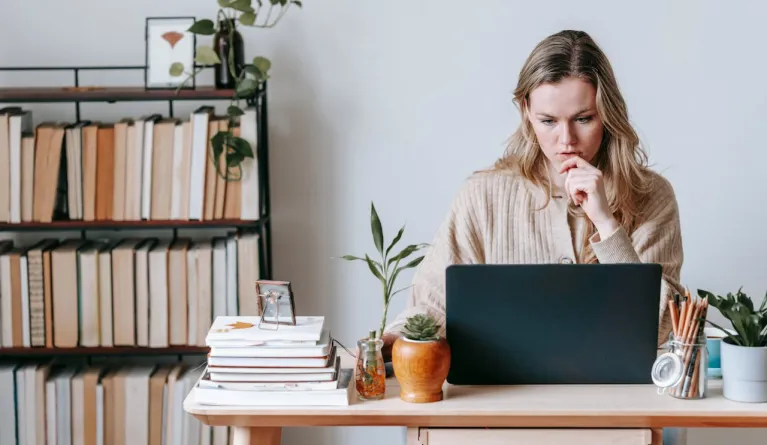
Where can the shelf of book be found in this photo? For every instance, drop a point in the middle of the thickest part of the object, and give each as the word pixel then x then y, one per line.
pixel 103 350
pixel 108 94
pixel 128 225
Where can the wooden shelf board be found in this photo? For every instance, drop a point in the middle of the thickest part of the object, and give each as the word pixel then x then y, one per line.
pixel 109 94
pixel 108 225
pixel 100 350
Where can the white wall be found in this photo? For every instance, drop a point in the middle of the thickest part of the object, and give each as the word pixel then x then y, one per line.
pixel 399 101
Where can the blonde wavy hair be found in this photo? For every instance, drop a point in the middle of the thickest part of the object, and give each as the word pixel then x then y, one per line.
pixel 621 159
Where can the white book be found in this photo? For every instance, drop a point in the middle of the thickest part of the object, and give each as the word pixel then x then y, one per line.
pixel 341 395
pixel 250 207
pixel 273 362
pixel 206 382
pixel 26 332
pixel 246 329
pixel 222 374
pixel 8 406
pixel 319 348
pixel 18 125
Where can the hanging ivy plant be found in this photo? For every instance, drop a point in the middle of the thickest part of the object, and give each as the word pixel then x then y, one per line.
pixel 248 80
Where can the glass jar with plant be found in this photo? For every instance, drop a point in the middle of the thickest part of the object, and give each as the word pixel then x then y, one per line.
pixel 744 351
pixel 246 80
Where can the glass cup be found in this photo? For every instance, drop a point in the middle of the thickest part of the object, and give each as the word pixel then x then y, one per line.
pixel 370 375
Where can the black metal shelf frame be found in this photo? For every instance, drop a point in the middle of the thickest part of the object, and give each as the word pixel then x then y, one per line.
pixel 259 100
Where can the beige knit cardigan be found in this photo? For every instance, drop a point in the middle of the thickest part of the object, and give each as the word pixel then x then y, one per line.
pixel 493 220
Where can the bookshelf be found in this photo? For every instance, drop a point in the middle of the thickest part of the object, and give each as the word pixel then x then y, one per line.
pixel 76 94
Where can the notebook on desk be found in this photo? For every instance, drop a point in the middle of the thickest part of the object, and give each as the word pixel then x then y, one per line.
pixel 552 324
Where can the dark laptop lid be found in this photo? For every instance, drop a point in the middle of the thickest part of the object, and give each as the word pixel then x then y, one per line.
pixel 552 324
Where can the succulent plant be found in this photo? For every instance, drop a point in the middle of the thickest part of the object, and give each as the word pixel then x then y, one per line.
pixel 421 327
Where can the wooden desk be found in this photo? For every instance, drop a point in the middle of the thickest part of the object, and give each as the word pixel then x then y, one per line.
pixel 545 415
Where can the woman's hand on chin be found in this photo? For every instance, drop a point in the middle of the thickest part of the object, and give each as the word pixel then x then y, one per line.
pixel 585 187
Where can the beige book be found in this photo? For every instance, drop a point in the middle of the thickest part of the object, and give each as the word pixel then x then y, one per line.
pixel 108 385
pixel 106 325
pixel 90 314
pixel 105 170
pixel 157 418
pixel 90 165
pixel 124 292
pixel 120 168
pixel 78 409
pixel 162 168
pixel 27 177
pixel 191 295
pixel 143 313
pixel 218 211
pixel 182 161
pixel 49 140
pixel 41 376
pixel 19 126
pixel 211 175
pixel 204 291
pixel 5 166
pixel 174 406
pixel 250 196
pixel 200 120
pixel 36 279
pixel 158 295
pixel 177 307
pixel 248 272
pixel 64 265
pixel 137 404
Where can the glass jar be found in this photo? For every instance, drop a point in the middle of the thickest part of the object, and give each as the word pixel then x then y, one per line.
pixel 231 53
pixel 370 376
pixel 681 372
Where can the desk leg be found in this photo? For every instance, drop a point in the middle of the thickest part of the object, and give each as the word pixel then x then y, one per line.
pixel 256 435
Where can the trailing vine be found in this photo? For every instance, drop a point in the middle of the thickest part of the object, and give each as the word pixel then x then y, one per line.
pixel 248 78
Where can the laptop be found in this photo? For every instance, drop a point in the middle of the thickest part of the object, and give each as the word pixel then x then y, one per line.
pixel 552 323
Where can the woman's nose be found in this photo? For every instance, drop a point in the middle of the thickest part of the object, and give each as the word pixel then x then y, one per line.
pixel 566 135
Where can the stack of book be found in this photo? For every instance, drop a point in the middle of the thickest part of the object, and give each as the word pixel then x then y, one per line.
pixel 272 364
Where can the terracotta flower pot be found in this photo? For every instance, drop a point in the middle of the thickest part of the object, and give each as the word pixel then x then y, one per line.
pixel 421 368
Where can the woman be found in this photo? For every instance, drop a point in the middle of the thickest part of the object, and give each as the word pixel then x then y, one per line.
pixel 573 186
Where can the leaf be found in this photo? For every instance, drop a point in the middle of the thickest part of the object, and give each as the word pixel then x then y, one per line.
pixel 283 2
pixel 352 258
pixel 413 263
pixel 224 3
pixel 246 85
pixel 234 110
pixel 206 56
pixel 203 27
pixel 406 252
pixel 241 146
pixel 375 225
pixel 395 240
pixel 233 159
pixel 241 5
pixel 255 72
pixel 248 18
pixel 297 3
pixel 218 141
pixel 373 268
pixel 176 69
pixel 262 63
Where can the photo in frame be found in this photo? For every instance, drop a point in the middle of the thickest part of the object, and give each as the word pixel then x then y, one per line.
pixel 168 41
pixel 276 302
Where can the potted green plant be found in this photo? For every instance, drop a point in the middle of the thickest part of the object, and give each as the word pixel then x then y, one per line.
pixel 248 79
pixel 744 352
pixel 421 360
pixel 386 268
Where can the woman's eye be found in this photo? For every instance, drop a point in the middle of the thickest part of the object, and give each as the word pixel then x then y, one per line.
pixel 546 121
pixel 584 120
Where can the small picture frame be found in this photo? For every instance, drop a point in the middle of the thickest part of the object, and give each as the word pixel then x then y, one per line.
pixel 276 302
pixel 168 41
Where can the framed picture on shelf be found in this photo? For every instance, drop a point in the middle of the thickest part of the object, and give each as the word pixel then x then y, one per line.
pixel 168 42
pixel 276 303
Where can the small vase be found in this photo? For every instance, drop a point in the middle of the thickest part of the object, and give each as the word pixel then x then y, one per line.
pixel 224 76
pixel 370 378
pixel 421 368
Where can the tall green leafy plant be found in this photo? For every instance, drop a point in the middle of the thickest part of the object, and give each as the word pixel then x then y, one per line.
pixel 262 14
pixel 386 268
pixel 750 324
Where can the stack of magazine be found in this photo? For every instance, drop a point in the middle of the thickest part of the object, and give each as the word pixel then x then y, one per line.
pixel 265 364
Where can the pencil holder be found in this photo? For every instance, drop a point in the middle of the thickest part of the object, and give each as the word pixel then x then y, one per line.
pixel 681 372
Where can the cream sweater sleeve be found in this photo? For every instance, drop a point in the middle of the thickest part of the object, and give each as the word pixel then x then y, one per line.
pixel 457 241
pixel 657 240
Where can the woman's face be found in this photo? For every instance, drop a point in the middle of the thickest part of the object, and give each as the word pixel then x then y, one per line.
pixel 565 120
